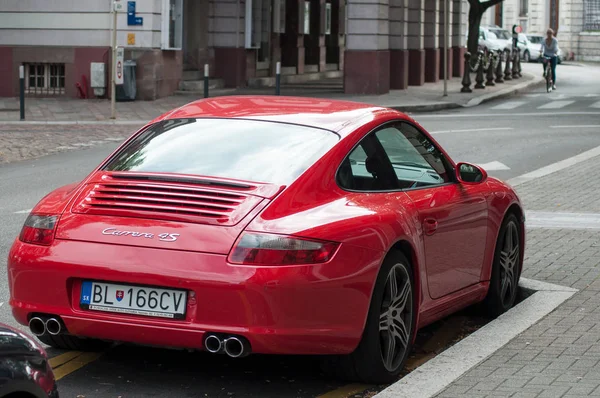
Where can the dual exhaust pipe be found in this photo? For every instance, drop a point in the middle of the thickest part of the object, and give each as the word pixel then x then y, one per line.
pixel 234 346
pixel 39 326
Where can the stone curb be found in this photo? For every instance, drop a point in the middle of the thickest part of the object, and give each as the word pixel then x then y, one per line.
pixel 437 374
pixel 436 106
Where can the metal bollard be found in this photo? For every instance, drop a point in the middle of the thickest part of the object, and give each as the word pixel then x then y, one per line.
pixel 479 78
pixel 22 91
pixel 515 65
pixel 499 74
pixel 466 80
pixel 206 79
pixel 507 74
pixel 278 79
pixel 490 70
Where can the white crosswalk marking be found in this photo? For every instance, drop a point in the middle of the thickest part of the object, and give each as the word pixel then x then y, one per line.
pixel 555 104
pixel 595 105
pixel 532 95
pixel 509 105
pixel 495 165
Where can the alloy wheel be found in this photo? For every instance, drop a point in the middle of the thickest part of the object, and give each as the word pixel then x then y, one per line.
pixel 395 319
pixel 509 263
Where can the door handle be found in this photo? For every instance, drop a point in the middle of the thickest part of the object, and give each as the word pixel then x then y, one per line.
pixel 430 226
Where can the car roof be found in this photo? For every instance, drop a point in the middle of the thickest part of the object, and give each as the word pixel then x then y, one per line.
pixel 323 113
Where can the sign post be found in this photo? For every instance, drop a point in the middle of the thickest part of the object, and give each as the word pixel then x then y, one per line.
pixel 446 27
pixel 117 6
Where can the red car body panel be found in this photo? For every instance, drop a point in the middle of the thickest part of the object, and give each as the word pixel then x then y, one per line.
pixel 303 309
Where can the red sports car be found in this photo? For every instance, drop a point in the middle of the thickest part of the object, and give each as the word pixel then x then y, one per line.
pixel 272 225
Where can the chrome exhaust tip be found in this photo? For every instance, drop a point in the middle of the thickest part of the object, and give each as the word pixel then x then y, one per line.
pixel 37 326
pixel 213 344
pixel 53 326
pixel 235 348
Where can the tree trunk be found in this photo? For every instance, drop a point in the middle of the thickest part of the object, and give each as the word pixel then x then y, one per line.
pixel 476 11
pixel 475 15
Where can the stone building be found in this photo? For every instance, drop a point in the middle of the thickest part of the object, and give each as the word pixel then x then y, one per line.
pixel 375 45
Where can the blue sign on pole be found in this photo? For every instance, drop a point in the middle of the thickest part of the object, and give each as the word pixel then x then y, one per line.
pixel 131 18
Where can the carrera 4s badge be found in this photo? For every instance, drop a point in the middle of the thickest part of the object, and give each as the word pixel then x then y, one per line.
pixel 165 237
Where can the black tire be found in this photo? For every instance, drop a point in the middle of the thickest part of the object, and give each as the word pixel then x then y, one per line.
pixel 74 343
pixel 526 56
pixel 366 363
pixel 497 300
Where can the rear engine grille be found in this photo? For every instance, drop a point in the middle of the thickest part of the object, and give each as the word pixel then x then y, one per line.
pixel 163 201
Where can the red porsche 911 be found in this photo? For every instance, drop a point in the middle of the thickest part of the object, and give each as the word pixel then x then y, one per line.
pixel 272 225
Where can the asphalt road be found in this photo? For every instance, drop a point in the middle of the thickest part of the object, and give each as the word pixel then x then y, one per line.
pixel 510 137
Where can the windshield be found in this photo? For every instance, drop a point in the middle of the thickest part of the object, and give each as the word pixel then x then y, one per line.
pixel 502 34
pixel 230 148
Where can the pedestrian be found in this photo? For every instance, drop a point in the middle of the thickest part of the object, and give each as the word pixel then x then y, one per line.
pixel 550 50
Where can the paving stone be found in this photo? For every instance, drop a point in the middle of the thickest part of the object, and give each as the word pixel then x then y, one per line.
pixel 34 141
pixel 560 355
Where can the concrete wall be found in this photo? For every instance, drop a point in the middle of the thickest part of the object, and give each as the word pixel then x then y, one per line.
pixel 78 32
pixel 75 23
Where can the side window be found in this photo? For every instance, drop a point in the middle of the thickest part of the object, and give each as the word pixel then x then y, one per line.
pixel 367 168
pixel 415 160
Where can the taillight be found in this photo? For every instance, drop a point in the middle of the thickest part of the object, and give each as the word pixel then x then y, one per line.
pixel 270 249
pixel 39 229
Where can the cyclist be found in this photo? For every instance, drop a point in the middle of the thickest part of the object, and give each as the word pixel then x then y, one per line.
pixel 550 50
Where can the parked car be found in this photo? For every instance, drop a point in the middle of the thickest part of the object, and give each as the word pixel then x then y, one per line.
pixel 493 38
pixel 24 367
pixel 272 225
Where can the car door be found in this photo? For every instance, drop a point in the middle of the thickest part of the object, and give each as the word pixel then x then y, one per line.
pixel 452 217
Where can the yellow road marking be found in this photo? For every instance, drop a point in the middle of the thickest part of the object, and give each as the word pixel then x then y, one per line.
pixel 77 362
pixel 345 391
pixel 63 358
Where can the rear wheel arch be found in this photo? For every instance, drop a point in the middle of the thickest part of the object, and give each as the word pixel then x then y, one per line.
pixel 405 248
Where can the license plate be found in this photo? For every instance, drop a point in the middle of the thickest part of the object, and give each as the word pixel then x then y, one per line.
pixel 135 300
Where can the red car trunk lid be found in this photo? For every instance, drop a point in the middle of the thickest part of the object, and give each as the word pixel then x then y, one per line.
pixel 155 210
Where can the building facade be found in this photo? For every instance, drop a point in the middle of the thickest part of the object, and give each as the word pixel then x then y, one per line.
pixel 376 45
pixel 576 23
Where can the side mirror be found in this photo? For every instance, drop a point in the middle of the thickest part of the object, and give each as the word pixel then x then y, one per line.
pixel 471 174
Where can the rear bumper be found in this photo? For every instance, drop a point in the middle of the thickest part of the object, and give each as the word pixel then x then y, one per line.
pixel 289 310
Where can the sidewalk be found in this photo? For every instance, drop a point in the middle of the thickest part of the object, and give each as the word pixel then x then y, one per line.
pixel 560 355
pixel 428 97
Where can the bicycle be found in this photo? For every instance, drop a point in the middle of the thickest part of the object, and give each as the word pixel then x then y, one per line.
pixel 547 61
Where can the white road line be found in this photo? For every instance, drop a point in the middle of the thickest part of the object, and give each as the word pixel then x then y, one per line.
pixel 23 211
pixel 555 104
pixel 595 105
pixel 471 130
pixel 495 165
pixel 554 167
pixel 592 95
pixel 547 219
pixel 502 115
pixel 509 105
pixel 532 95
pixel 587 126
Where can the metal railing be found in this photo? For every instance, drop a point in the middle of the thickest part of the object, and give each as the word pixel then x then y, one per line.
pixel 44 79
pixel 591 15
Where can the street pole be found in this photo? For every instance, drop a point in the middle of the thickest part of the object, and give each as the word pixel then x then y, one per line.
pixel 446 23
pixel 22 91
pixel 113 66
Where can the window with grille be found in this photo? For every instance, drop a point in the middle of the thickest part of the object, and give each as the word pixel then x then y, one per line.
pixel 523 8
pixel 591 15
pixel 46 79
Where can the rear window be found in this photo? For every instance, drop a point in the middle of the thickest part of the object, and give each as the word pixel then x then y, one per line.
pixel 230 148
